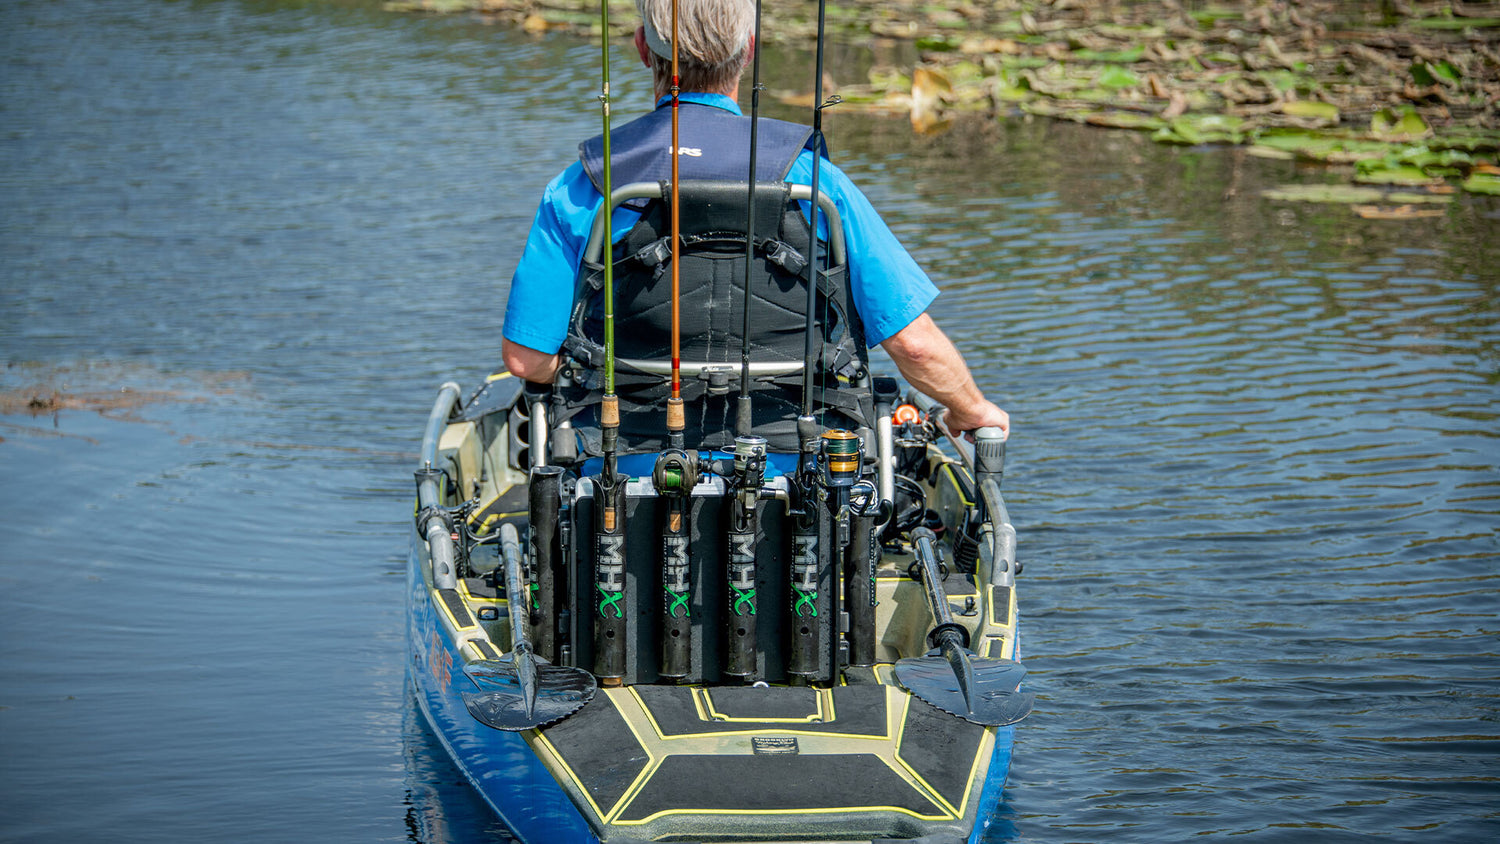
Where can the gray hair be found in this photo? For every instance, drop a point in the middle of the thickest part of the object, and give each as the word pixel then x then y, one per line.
pixel 713 40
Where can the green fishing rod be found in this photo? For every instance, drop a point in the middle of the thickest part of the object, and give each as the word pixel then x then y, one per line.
pixel 609 487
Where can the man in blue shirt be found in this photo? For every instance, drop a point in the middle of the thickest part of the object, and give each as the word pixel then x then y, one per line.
pixel 890 292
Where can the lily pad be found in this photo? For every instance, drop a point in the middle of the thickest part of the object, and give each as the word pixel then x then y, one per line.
pixel 1350 195
pixel 1398 124
pixel 1391 173
pixel 1320 146
pixel 1397 212
pixel 1129 56
pixel 1486 183
pixel 1194 129
pixel 1312 109
pixel 1116 76
pixel 1433 73
pixel 1339 194
pixel 1125 120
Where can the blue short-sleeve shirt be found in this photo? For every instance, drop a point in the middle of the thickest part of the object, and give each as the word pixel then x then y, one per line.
pixel 890 289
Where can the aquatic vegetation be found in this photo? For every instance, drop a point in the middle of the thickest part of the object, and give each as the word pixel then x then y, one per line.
pixel 1398 90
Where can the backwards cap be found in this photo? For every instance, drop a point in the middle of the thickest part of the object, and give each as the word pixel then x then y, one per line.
pixel 712 32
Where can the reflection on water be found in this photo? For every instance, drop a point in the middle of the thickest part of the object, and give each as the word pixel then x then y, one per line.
pixel 1254 470
pixel 442 808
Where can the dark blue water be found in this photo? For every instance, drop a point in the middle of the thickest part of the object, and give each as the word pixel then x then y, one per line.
pixel 1256 467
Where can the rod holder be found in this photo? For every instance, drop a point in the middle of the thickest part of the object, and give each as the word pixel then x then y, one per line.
pixel 544 503
pixel 674 476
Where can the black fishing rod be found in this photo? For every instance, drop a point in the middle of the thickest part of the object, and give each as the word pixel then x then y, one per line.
pixel 808 527
pixel 815 265
pixel 743 420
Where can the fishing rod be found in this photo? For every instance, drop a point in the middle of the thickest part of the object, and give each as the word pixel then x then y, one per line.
pixel 675 417
pixel 609 487
pixel 749 450
pixel 743 419
pixel 813 266
pixel 808 525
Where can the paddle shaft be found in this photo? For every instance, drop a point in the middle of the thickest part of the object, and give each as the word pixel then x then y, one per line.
pixel 519 605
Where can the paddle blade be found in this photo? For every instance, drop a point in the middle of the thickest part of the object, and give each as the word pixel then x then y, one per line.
pixel 503 701
pixel 992 700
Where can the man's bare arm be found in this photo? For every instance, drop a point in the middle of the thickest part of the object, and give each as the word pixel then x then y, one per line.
pixel 931 363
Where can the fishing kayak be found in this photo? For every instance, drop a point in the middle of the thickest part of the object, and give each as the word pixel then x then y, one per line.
pixel 583 653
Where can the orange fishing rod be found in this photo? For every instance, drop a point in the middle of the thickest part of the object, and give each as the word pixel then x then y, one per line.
pixel 676 420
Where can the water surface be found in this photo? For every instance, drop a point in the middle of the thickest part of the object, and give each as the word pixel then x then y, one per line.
pixel 1255 470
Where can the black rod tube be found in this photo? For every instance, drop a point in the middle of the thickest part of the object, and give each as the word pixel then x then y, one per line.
pixel 675 475
pixel 805 623
pixel 864 548
pixel 544 500
pixel 741 634
pixel 677 622
pixel 739 623
pixel 609 581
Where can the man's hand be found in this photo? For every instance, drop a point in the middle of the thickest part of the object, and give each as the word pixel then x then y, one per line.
pixel 930 362
pixel 984 414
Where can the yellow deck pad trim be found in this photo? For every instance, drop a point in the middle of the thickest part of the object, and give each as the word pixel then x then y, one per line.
pixel 951 470
pixel 703 700
pixel 657 747
pixel 994 613
pixel 633 710
pixel 436 598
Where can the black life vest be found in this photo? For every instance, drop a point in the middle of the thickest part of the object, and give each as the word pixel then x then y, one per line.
pixel 714 155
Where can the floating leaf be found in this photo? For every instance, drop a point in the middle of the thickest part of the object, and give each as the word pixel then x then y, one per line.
pixel 1429 159
pixel 1486 183
pixel 1320 146
pixel 1347 194
pixel 1391 173
pixel 1433 73
pixel 938 43
pixel 928 87
pixel 1194 129
pixel 1124 120
pixel 1312 109
pixel 1350 194
pixel 1397 124
pixel 1130 56
pixel 1116 76
pixel 1396 212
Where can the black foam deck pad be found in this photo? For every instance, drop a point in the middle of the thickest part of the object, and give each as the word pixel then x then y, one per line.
pixel 775 781
pixel 940 749
pixel 600 749
pixel 857 710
